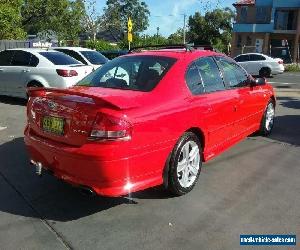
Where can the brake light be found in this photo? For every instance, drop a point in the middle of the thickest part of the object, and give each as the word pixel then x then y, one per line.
pixel 66 72
pixel 111 128
pixel 280 62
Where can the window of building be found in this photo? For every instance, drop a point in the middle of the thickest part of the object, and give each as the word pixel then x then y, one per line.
pixel 239 41
pixel 285 20
pixel 262 15
pixel 244 14
pixel 248 41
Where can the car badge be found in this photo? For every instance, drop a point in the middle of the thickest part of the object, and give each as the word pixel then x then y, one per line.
pixel 52 105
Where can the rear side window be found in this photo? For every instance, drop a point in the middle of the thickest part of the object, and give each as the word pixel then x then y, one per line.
pixel 242 58
pixel 141 73
pixel 234 76
pixel 194 80
pixel 254 57
pixel 5 57
pixel 21 58
pixel 210 74
pixel 73 54
pixel 94 57
pixel 59 58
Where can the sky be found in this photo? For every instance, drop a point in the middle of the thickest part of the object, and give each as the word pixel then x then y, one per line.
pixel 168 14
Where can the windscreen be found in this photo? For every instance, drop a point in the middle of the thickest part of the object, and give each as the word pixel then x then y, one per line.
pixel 59 58
pixel 94 57
pixel 140 73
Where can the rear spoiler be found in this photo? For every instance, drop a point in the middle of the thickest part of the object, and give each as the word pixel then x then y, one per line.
pixel 95 99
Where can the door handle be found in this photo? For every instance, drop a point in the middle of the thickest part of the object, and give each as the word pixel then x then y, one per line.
pixel 26 70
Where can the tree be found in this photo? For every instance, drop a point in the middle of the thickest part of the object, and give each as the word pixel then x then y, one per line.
pixel 177 37
pixel 10 20
pixel 61 16
pixel 117 12
pixel 91 22
pixel 215 27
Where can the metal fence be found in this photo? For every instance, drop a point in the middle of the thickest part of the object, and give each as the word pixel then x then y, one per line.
pixel 11 44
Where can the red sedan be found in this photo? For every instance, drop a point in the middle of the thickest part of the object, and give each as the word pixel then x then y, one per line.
pixel 146 119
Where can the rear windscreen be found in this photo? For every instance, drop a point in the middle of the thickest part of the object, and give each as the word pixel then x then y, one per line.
pixel 140 73
pixel 59 58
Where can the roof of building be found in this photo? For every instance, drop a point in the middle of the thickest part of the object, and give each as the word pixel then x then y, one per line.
pixel 244 2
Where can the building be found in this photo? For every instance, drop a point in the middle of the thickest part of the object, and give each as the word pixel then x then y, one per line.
pixel 271 27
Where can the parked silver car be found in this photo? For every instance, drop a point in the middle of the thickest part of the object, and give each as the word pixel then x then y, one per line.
pixel 22 68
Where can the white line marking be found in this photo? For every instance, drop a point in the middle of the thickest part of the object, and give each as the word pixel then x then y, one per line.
pixel 2 128
pixel 284 83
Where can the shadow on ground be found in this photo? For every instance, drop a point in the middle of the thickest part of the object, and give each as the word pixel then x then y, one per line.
pixel 287 129
pixel 289 102
pixel 13 100
pixel 48 197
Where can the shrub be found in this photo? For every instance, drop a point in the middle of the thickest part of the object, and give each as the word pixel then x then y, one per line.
pixel 294 67
pixel 100 45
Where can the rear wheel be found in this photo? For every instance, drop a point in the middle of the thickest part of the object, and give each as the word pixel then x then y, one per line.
pixel 185 164
pixel 267 122
pixel 265 72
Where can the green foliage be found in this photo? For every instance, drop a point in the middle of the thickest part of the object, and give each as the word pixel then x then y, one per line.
pixel 294 67
pixel 100 45
pixel 10 20
pixel 61 16
pixel 212 28
pixel 117 12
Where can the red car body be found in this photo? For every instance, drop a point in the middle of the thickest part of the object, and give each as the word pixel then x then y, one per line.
pixel 155 120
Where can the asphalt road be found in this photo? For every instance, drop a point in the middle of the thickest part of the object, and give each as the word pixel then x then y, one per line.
pixel 253 188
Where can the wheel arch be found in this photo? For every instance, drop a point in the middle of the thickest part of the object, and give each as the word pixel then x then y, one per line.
pixel 200 135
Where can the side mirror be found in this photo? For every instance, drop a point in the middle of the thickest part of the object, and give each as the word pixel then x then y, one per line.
pixel 259 81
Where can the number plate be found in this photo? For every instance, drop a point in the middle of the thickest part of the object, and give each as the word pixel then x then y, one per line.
pixel 53 125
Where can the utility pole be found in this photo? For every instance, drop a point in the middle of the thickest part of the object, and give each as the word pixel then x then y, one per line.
pixel 157 34
pixel 184 33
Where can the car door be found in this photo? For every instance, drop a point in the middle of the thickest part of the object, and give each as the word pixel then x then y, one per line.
pixel 19 72
pixel 5 61
pixel 255 64
pixel 249 100
pixel 205 82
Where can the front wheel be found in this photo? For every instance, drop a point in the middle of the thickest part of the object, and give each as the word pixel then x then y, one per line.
pixel 185 164
pixel 267 122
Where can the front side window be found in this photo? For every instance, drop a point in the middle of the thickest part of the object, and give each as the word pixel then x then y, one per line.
pixel 234 76
pixel 141 73
pixel 5 57
pixel 242 58
pixel 21 58
pixel 210 75
pixel 59 58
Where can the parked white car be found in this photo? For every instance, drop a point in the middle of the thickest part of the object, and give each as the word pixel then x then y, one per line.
pixel 22 68
pixel 84 55
pixel 260 65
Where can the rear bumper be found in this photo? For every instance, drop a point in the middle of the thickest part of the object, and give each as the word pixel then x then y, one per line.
pixel 107 177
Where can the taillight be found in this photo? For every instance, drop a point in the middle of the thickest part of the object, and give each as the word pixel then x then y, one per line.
pixel 66 72
pixel 111 128
pixel 280 62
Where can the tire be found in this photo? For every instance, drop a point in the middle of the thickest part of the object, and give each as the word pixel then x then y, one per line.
pixel 183 177
pixel 267 122
pixel 265 72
